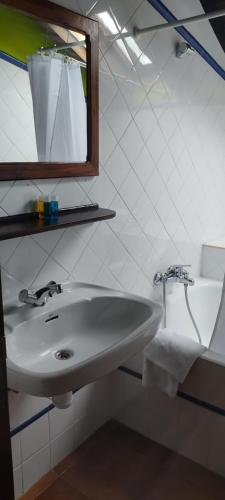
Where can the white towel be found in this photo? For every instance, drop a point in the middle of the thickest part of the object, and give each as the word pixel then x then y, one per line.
pixel 168 359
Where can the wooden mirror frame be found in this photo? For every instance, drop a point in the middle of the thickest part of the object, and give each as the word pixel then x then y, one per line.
pixel 52 13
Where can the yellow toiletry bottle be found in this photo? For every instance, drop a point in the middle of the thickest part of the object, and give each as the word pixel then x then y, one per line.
pixel 39 207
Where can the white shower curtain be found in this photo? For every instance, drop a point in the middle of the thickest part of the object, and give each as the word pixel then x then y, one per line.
pixel 60 111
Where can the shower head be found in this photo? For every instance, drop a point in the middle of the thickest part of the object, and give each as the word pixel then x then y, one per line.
pixel 183 49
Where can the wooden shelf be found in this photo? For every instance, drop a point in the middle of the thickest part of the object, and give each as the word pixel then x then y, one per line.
pixel 26 224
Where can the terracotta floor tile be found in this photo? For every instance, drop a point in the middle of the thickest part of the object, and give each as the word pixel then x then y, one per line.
pixel 99 439
pixel 132 471
pixel 129 470
pixel 72 459
pixel 174 489
pixel 133 440
pixel 93 486
pixel 61 491
pixel 119 464
pixel 199 476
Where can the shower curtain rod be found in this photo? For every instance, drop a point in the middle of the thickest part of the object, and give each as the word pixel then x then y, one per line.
pixel 62 47
pixel 65 46
pixel 173 24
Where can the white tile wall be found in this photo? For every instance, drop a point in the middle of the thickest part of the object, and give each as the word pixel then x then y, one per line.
pixel 161 168
pixel 42 445
pixel 34 437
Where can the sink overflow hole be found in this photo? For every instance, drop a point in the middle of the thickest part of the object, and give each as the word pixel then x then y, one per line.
pixel 51 318
pixel 64 354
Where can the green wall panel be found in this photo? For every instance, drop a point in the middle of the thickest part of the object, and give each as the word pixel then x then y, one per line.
pixel 20 35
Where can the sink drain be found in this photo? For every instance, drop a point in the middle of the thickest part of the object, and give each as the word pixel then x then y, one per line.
pixel 64 354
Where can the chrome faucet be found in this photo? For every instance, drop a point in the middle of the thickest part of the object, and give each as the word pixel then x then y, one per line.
pixel 41 296
pixel 175 274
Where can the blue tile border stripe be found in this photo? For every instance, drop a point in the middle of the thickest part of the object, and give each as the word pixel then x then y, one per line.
pixel 133 373
pixel 31 420
pixel 12 60
pixel 180 394
pixel 128 371
pixel 203 404
pixel 167 14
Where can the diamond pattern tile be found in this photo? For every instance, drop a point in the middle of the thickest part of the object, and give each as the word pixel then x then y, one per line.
pixel 131 190
pixel 68 249
pixel 145 119
pixel 118 115
pixel 26 252
pixel 131 87
pixel 107 86
pixel 103 190
pixel 117 167
pixel 87 266
pixel 156 143
pixel 132 142
pixel 161 122
pixel 20 197
pixel 107 140
pixel 144 166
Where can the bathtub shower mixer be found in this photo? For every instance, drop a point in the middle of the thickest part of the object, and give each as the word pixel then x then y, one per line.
pixel 176 274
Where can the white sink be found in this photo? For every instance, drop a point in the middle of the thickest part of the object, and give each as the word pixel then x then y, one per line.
pixel 94 330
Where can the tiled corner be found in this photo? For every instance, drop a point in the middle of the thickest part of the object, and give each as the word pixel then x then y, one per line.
pixel 64 444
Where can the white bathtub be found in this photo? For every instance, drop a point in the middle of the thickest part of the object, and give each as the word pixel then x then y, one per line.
pixel 204 299
pixel 206 379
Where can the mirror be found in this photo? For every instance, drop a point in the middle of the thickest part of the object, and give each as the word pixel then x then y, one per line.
pixel 49 91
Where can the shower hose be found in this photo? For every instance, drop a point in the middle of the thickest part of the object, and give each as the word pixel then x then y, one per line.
pixel 191 315
pixel 188 308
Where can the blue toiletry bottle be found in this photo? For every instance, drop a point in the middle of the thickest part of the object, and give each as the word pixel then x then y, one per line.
pixel 54 207
pixel 47 207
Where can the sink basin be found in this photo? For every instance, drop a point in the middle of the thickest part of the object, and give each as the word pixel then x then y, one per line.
pixel 77 337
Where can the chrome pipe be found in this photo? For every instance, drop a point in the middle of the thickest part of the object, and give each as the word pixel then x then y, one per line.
pixel 64 46
pixel 164 304
pixel 173 24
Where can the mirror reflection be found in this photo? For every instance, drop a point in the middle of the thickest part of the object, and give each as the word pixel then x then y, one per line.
pixel 43 82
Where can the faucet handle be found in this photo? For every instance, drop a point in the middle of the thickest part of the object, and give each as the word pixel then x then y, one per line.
pixel 54 287
pixel 179 269
pixel 180 266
